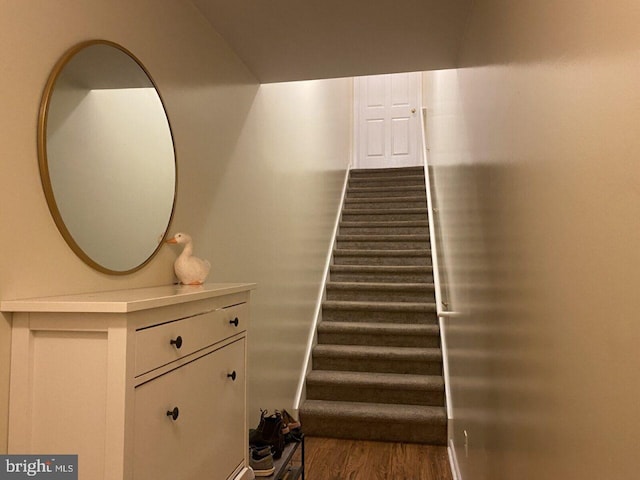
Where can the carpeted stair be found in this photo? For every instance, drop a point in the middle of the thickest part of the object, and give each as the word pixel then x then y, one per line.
pixel 377 366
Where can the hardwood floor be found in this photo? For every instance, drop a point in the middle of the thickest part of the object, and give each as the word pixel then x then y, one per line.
pixel 334 459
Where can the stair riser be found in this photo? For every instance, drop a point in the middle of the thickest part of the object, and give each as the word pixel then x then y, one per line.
pixel 380 365
pixel 391 431
pixel 385 182
pixel 331 315
pixel 379 340
pixel 347 393
pixel 386 204
pixel 381 216
pixel 367 230
pixel 357 295
pixel 382 245
pixel 382 277
pixel 387 193
pixel 363 260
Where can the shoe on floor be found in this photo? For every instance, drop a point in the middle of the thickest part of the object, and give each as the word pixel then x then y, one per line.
pixel 289 421
pixel 269 432
pixel 262 467
pixel 258 452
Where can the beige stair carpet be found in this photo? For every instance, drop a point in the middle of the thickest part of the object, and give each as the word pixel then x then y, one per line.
pixel 377 367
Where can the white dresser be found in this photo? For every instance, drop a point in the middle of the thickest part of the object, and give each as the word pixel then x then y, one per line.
pixel 142 384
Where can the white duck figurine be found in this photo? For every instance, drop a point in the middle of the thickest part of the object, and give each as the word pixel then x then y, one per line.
pixel 190 270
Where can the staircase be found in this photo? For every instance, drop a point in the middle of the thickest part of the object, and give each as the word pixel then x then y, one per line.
pixel 377 366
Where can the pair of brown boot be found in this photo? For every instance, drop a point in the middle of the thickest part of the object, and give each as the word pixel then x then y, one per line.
pixel 273 430
pixel 290 423
pixel 269 433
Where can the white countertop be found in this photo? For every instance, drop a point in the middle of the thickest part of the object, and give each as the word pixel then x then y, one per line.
pixel 123 301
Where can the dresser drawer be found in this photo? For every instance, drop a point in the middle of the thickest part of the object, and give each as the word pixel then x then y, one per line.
pixel 162 344
pixel 207 438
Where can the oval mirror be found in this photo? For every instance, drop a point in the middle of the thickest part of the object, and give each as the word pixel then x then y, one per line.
pixel 107 159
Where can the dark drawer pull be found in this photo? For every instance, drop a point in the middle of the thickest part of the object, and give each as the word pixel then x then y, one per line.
pixel 232 376
pixel 234 322
pixel 177 342
pixel 173 413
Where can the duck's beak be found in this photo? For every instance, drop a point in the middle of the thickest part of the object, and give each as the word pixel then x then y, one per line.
pixel 172 240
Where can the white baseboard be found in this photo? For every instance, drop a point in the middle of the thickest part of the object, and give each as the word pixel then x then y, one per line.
pixel 453 461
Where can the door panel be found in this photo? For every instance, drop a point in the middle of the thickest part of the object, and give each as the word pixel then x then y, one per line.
pixel 400 95
pixel 375 91
pixel 400 136
pixel 375 138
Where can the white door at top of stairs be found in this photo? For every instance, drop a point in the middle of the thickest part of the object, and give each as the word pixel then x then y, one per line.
pixel 387 122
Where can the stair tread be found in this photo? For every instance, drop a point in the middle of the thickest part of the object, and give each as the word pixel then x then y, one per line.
pixel 379 286
pixel 421 252
pixel 388 306
pixel 397 413
pixel 409 198
pixel 372 237
pixel 383 211
pixel 381 328
pixel 387 169
pixel 390 188
pixel 390 172
pixel 381 268
pixel 376 351
pixel 384 223
pixel 371 379
pixel 382 178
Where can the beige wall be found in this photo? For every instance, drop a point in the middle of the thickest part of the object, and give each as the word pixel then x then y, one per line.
pixel 271 221
pixel 236 167
pixel 535 151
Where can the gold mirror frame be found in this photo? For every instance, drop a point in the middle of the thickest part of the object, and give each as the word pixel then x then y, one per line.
pixel 44 163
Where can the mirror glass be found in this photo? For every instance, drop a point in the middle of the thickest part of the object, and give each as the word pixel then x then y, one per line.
pixel 107 158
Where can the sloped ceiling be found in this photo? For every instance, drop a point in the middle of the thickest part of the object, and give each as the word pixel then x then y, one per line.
pixel 283 40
